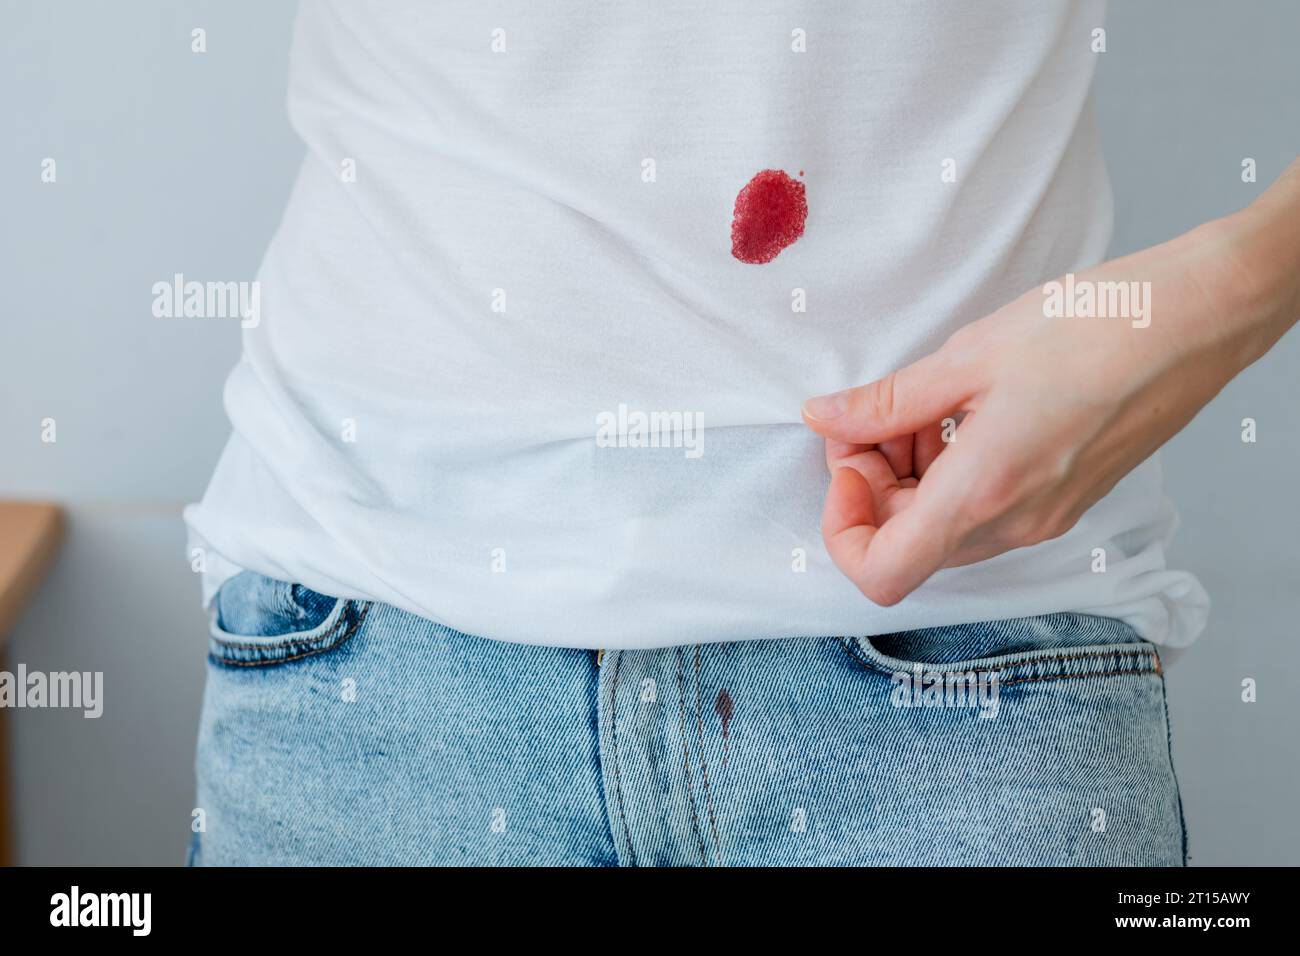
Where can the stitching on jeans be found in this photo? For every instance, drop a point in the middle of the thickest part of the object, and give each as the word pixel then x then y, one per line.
pixel 1044 677
pixel 287 641
pixel 704 764
pixel 618 784
pixel 1081 657
pixel 686 757
pixel 861 658
pixel 231 662
pixel 1173 772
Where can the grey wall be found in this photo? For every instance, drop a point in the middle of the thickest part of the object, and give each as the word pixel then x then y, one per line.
pixel 1186 91
pixel 167 161
pixel 170 161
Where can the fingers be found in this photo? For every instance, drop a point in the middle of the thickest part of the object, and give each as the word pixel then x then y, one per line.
pixel 889 493
pixel 926 447
pixel 888 558
pixel 848 521
pixel 909 455
pixel 898 452
pixel 910 547
pixel 837 451
pixel 898 404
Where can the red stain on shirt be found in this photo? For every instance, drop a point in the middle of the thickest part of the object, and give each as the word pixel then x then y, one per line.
pixel 770 214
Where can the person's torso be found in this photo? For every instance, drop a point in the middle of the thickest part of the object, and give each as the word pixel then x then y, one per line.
pixel 513 373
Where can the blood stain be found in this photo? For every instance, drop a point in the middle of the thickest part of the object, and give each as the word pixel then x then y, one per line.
pixel 725 708
pixel 770 214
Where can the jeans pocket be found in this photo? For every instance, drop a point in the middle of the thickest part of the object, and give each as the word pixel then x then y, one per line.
pixel 259 622
pixel 1022 650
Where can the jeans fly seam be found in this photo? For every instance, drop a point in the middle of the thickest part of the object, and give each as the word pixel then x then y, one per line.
pixel 618 782
pixel 686 757
pixel 704 764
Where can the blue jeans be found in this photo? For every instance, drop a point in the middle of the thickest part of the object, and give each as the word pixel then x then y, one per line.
pixel 348 732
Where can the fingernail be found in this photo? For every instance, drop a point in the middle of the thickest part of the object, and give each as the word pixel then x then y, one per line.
pixel 825 407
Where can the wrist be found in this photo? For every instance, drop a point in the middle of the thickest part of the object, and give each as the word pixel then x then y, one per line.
pixel 1264 241
pixel 1253 259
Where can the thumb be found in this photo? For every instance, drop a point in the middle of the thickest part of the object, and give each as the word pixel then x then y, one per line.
pixel 901 403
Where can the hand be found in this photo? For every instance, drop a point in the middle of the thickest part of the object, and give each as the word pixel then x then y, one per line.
pixel 1052 411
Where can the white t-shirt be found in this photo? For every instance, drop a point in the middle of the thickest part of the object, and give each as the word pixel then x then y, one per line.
pixel 509 262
